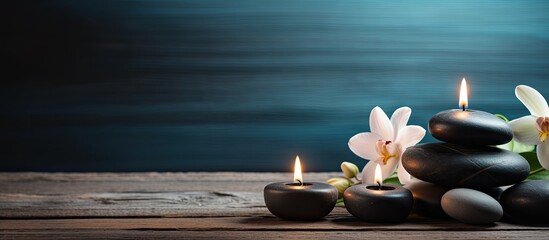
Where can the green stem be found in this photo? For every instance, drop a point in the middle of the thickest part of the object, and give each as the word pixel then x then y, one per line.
pixel 536 171
pixel 502 117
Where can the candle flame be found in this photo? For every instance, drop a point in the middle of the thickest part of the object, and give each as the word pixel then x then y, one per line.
pixel 463 101
pixel 297 171
pixel 377 177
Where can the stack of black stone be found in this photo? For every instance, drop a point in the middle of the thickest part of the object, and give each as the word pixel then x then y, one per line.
pixel 463 173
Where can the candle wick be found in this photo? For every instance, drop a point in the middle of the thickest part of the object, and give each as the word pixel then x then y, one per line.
pixel 463 106
pixel 378 185
pixel 300 182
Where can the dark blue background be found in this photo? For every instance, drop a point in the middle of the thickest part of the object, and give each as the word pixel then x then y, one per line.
pixel 217 85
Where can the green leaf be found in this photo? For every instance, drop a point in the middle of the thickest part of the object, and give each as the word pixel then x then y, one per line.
pixel 532 158
pixel 537 172
pixel 541 175
pixel 340 203
pixel 393 179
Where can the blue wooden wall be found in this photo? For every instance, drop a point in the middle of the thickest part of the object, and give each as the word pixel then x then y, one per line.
pixel 217 85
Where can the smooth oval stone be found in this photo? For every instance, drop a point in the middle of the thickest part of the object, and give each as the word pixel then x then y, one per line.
pixel 527 202
pixel 471 206
pixel 427 198
pixel 470 127
pixel 454 165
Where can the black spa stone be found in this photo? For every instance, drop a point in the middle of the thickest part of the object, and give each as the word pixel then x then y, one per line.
pixel 454 165
pixel 527 202
pixel 470 127
pixel 427 198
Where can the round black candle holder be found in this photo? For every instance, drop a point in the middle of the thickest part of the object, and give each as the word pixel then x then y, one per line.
pixel 385 204
pixel 293 201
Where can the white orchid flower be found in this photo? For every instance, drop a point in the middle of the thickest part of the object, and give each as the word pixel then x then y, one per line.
pixel 385 143
pixel 533 129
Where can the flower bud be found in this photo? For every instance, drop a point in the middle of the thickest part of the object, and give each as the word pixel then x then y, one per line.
pixel 341 184
pixel 350 170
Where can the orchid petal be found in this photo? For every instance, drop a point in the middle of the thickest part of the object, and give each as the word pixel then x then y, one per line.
pixel 409 136
pixel 388 169
pixel 543 154
pixel 364 145
pixel 399 119
pixel 368 173
pixel 380 124
pixel 393 148
pixel 403 176
pixel 533 100
pixel 525 131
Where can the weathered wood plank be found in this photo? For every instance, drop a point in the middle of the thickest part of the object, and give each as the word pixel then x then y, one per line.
pixel 77 183
pixel 70 195
pixel 163 176
pixel 132 204
pixel 252 235
pixel 124 205
pixel 253 224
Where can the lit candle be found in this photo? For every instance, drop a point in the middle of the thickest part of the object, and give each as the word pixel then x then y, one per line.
pixel 470 127
pixel 300 200
pixel 297 171
pixel 378 203
pixel 463 99
pixel 377 176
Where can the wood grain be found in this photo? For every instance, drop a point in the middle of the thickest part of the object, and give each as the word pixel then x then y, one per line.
pixel 222 205
pixel 252 235
pixel 75 183
pixel 256 223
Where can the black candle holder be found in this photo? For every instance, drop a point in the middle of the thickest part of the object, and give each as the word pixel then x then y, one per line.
pixel 383 204
pixel 295 201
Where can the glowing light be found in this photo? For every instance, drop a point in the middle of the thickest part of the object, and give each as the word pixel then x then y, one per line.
pixel 463 101
pixel 297 171
pixel 378 177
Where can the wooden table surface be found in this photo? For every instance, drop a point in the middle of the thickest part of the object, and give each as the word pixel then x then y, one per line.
pixel 223 205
